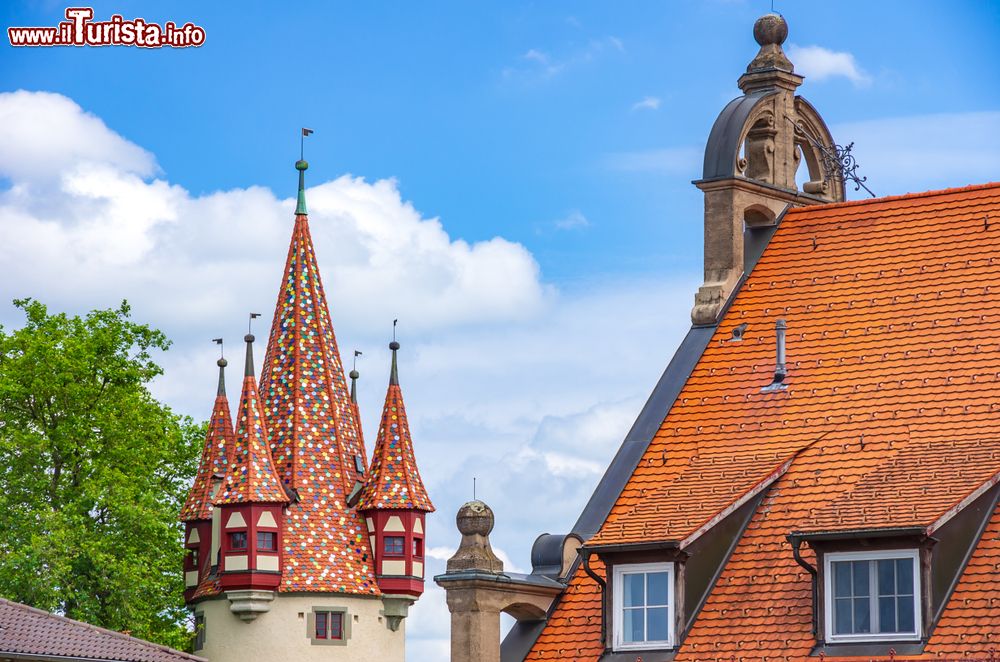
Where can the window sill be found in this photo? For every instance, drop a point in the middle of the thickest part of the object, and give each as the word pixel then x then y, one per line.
pixel 647 655
pixel 868 648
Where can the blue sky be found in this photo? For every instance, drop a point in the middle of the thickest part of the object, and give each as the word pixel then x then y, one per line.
pixel 501 118
pixel 511 180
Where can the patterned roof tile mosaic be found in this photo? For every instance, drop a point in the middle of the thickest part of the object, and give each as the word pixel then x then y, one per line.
pixel 215 458
pixel 394 480
pixel 314 434
pixel 251 478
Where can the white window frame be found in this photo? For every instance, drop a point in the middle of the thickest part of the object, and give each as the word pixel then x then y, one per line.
pixel 831 558
pixel 619 605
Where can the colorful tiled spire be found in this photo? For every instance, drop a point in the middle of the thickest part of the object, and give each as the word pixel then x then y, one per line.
pixel 394 480
pixel 314 433
pixel 251 477
pixel 215 456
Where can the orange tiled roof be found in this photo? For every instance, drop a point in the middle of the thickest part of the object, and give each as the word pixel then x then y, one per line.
pixel 251 477
pixel 215 459
pixel 314 434
pixel 890 416
pixel 968 625
pixel 394 480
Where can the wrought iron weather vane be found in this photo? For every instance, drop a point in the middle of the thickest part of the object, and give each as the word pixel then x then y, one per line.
pixel 838 162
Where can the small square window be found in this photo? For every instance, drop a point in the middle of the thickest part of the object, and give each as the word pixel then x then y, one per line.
pixel 329 626
pixel 194 557
pixel 418 547
pixel 643 606
pixel 872 596
pixel 394 545
pixel 267 541
pixel 238 540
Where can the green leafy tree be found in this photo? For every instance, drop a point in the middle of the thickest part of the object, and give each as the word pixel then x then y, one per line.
pixel 93 471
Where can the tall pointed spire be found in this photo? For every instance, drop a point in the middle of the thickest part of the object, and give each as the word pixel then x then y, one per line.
pixel 251 478
pixel 216 455
pixel 394 480
pixel 314 433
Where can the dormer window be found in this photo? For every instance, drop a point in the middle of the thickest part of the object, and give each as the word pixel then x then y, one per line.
pixel 872 596
pixel 643 606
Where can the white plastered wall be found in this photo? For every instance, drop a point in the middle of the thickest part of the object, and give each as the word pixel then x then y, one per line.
pixel 281 634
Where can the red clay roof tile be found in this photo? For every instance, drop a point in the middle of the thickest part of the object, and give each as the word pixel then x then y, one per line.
pixel 893 312
pixel 215 459
pixel 314 434
pixel 26 632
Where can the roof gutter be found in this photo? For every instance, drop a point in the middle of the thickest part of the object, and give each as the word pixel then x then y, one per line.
pixel 796 543
pixel 633 546
pixel 585 555
pixel 854 534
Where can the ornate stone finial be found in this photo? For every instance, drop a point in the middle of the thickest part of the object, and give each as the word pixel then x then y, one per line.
pixel 770 31
pixel 475 521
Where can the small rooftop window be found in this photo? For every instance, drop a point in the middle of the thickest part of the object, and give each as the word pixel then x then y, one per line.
pixel 872 596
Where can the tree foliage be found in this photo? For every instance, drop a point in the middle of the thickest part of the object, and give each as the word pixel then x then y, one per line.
pixel 93 471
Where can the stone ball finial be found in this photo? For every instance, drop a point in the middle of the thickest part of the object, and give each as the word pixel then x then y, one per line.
pixel 475 521
pixel 770 29
pixel 474 518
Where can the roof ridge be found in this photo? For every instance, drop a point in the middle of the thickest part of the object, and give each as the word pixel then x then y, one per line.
pixel 118 635
pixel 893 198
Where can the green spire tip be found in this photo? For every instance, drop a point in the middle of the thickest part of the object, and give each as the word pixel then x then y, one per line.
pixel 301 165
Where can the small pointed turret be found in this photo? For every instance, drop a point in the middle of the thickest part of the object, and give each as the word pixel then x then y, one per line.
pixel 252 477
pixel 216 456
pixel 251 509
pixel 394 500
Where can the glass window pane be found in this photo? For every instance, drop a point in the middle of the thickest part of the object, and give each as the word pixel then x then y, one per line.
pixel 905 612
pixel 887 577
pixel 336 625
pixel 632 630
pixel 634 589
pixel 841 579
pixel 862 615
pixel 657 593
pixel 904 576
pixel 860 570
pixel 321 621
pixel 842 622
pixel 657 624
pixel 887 615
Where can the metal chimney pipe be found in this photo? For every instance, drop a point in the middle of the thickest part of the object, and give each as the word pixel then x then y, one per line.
pixel 779 367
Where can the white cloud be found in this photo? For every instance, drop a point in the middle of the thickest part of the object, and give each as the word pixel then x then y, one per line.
pixel 647 103
pixel 817 63
pixel 543 65
pixel 109 233
pixel 36 140
pixel 575 220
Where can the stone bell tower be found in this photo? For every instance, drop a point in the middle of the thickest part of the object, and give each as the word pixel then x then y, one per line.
pixel 752 161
